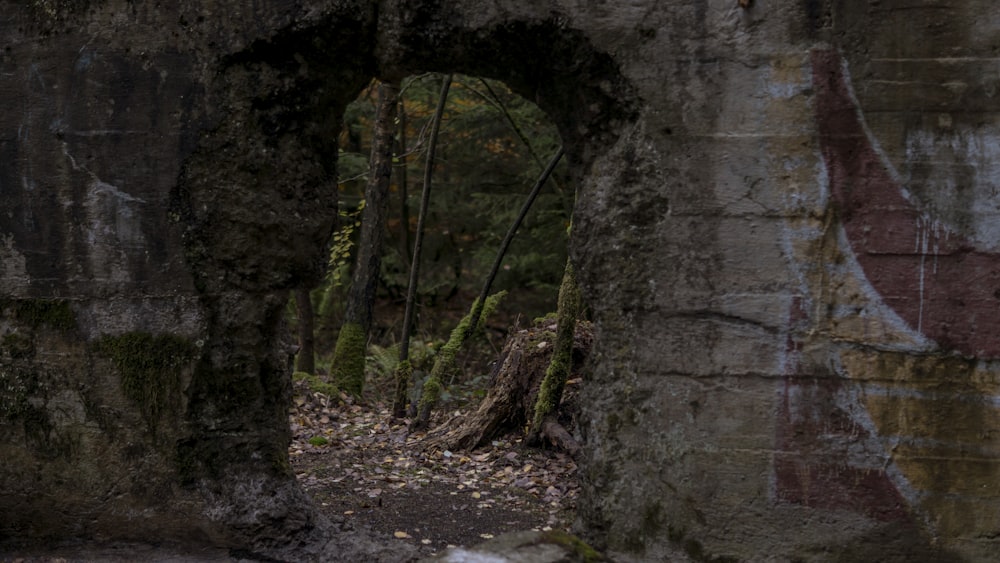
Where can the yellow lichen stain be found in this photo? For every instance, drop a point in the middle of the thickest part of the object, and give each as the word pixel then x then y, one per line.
pixel 960 517
pixel 791 69
pixel 940 422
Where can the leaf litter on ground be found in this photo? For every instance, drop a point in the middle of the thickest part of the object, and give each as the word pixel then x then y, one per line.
pixel 371 472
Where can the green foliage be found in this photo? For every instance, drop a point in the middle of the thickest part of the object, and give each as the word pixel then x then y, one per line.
pixel 491 149
pixel 484 168
pixel 316 383
pixel 341 245
pixel 352 166
pixel 382 360
pixel 150 369
pixel 318 441
pixel 349 359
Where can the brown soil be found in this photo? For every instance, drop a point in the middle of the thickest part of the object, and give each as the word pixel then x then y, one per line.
pixel 372 474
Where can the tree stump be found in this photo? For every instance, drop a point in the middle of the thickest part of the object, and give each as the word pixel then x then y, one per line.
pixel 514 382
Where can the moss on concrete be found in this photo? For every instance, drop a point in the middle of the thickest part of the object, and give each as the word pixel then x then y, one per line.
pixel 150 369
pixel 17 385
pixel 55 313
pixel 349 359
pixel 694 548
pixel 579 549
pixel 17 346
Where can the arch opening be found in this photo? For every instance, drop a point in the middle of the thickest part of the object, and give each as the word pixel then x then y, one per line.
pixel 257 201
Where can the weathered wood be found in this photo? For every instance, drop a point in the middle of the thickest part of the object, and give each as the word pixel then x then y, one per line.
pixel 510 401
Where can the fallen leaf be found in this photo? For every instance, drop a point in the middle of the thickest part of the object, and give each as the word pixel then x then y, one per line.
pixel 401 535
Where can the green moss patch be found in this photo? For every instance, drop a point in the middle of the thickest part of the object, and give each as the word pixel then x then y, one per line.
pixel 316 383
pixel 150 368
pixel 55 313
pixel 349 359
pixel 17 346
pixel 580 549
pixel 17 385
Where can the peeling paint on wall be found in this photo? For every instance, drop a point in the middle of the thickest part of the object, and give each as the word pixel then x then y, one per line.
pixel 904 429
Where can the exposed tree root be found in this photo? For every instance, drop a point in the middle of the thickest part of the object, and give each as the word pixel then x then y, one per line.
pixel 510 401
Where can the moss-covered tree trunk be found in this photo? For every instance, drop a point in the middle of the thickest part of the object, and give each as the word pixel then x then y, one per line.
pixel 515 384
pixel 306 359
pixel 349 355
pixel 445 360
pixel 432 387
pixel 543 423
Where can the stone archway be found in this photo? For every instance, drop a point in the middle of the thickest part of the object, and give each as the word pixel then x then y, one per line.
pixel 257 198
pixel 158 158
pixel 187 377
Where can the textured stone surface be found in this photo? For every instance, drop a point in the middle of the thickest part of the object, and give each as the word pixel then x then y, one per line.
pixel 523 547
pixel 786 231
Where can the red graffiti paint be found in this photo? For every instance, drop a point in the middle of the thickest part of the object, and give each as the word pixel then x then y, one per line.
pixel 812 464
pixel 813 441
pixel 935 280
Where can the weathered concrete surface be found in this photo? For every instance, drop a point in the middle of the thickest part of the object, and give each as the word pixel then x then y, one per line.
pixel 523 547
pixel 787 232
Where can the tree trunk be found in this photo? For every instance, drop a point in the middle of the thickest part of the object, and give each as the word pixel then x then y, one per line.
pixel 432 387
pixel 402 180
pixel 509 404
pixel 349 355
pixel 305 361
pixel 562 356
pixel 445 360
pixel 404 371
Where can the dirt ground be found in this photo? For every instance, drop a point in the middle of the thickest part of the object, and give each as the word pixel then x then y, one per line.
pixel 371 473
pixel 364 470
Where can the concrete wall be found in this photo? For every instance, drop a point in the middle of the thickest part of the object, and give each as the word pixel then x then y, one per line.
pixel 799 341
pixel 787 232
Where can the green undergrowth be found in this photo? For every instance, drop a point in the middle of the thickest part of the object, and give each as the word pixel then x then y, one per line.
pixel 318 441
pixel 316 383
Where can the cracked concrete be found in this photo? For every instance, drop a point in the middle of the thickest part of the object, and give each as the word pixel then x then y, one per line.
pixel 781 370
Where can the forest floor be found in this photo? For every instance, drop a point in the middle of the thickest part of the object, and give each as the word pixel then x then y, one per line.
pixel 372 473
